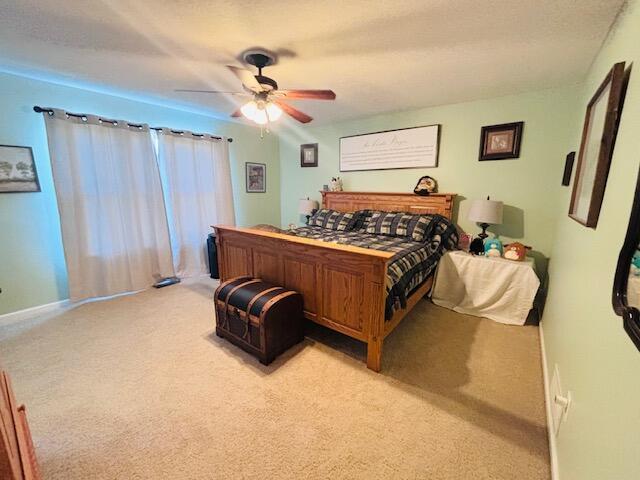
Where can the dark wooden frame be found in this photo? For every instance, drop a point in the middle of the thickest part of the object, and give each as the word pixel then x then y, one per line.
pixel 517 128
pixel 387 131
pixel 314 146
pixel 35 170
pixel 246 177
pixel 630 314
pixel 615 78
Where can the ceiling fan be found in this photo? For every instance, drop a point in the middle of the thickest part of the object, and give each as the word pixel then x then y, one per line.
pixel 267 103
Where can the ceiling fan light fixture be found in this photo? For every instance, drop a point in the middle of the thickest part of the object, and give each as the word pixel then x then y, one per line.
pixel 274 112
pixel 260 117
pixel 249 109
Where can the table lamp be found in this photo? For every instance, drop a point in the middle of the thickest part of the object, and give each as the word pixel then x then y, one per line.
pixel 307 207
pixel 485 212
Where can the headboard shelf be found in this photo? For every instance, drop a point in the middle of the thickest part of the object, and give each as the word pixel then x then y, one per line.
pixel 440 203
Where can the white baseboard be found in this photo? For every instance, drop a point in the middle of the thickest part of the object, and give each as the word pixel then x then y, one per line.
pixel 28 313
pixel 54 308
pixel 553 453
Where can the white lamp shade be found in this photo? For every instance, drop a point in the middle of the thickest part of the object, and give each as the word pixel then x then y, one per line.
pixel 485 211
pixel 306 206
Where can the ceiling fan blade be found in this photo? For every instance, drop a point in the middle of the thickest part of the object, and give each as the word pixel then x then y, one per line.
pixel 295 113
pixel 247 78
pixel 311 94
pixel 237 113
pixel 183 90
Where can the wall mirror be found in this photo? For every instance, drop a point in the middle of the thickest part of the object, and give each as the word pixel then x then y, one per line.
pixel 626 284
pixel 596 148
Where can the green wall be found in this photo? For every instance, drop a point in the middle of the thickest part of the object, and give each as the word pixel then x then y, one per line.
pixel 32 270
pixel 597 362
pixel 529 186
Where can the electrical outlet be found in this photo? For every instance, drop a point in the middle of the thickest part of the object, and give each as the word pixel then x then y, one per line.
pixel 560 402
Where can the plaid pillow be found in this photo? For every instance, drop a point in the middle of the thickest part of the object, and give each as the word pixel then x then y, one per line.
pixel 362 219
pixel 400 224
pixel 333 220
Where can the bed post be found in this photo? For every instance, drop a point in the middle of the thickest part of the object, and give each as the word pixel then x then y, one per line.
pixel 374 353
pixel 375 335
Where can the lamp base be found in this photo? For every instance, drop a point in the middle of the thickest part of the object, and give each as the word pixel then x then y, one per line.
pixel 484 234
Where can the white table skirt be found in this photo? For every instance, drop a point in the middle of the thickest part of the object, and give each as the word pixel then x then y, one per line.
pixel 495 288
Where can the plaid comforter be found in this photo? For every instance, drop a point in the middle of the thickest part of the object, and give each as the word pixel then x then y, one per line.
pixel 413 262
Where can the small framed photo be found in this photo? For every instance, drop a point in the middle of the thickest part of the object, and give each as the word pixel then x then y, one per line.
pixel 17 170
pixel 499 142
pixel 256 177
pixel 309 155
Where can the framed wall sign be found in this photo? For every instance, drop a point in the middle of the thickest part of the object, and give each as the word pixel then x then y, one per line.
pixel 17 170
pixel 596 148
pixel 499 142
pixel 415 147
pixel 256 177
pixel 309 155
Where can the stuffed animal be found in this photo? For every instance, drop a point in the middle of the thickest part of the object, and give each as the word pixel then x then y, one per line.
pixel 635 264
pixel 493 248
pixel 515 251
pixel 425 186
pixel 464 242
pixel 477 246
pixel 335 185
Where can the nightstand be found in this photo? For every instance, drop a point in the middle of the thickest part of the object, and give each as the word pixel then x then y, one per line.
pixel 495 288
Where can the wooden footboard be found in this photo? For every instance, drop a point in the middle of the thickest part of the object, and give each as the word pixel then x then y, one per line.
pixel 343 286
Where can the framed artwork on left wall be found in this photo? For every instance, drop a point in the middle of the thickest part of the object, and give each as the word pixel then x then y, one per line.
pixel 256 177
pixel 17 170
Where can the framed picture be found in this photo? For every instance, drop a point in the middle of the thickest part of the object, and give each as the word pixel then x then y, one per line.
pixel 596 148
pixel 256 177
pixel 499 142
pixel 309 155
pixel 17 170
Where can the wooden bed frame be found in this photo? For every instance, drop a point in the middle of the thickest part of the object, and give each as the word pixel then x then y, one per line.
pixel 343 286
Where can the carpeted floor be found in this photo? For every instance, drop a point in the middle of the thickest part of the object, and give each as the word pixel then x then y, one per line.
pixel 140 387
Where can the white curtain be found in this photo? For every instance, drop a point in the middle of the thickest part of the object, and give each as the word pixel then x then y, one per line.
pixel 112 212
pixel 197 183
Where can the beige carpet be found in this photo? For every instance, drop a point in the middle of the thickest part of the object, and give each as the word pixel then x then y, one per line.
pixel 140 387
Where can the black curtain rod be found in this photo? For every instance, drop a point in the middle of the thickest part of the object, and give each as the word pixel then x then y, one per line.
pixel 39 109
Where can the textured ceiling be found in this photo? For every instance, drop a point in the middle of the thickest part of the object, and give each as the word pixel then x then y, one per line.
pixel 377 56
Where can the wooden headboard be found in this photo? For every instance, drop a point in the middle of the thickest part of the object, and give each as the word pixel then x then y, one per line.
pixel 440 203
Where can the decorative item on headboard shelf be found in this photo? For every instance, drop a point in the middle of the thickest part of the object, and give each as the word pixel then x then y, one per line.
pixel 336 184
pixel 426 185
